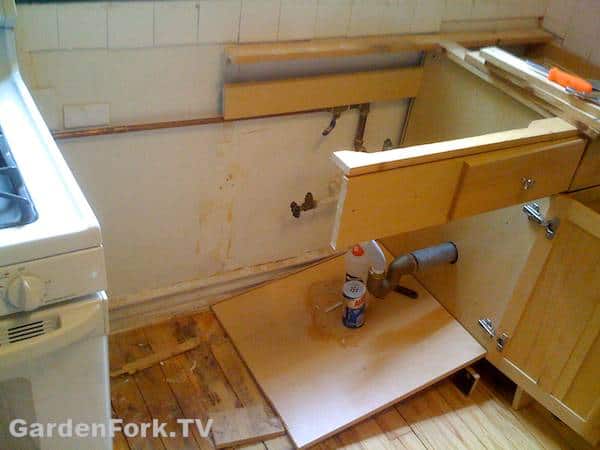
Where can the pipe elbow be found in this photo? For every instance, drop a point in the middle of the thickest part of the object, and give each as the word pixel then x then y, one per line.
pixel 379 285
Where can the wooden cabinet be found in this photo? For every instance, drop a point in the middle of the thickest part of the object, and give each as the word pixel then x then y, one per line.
pixel 548 340
pixel 498 179
pixel 396 191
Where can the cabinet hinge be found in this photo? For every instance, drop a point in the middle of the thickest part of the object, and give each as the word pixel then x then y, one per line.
pixel 501 341
pixel 532 211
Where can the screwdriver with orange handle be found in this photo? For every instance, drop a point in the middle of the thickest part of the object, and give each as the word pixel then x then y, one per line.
pixel 563 78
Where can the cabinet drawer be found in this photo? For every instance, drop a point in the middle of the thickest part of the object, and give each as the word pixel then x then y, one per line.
pixel 498 179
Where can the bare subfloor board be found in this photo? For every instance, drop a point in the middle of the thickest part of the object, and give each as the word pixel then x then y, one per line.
pixel 194 385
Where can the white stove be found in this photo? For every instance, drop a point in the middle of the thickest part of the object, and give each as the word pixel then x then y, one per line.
pixel 53 308
pixel 58 255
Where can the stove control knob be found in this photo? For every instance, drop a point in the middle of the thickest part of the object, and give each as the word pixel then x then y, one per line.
pixel 25 292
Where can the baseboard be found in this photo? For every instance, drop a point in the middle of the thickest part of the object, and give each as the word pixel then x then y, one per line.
pixel 155 305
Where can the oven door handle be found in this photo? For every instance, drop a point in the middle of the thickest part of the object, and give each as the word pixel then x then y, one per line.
pixel 75 325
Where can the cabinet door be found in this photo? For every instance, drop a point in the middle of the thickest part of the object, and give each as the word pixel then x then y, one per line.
pixel 551 327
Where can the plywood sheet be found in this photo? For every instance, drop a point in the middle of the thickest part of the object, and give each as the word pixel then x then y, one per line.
pixel 322 377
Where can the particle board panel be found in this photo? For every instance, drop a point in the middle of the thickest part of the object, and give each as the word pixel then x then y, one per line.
pixel 322 377
pixel 263 98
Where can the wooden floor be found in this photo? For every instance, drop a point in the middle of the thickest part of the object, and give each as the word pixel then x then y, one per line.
pixel 211 378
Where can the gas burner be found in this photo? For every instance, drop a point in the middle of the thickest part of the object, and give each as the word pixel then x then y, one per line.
pixel 16 207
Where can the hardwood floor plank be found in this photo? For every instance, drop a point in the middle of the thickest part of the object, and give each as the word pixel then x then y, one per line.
pixel 207 374
pixel 392 423
pixel 257 446
pixel 348 440
pixel 243 426
pixel 409 441
pixel 239 376
pixel 119 439
pixel 280 443
pixel 431 423
pixel 372 436
pixel 397 430
pixel 129 406
pixel 189 395
pixel 208 326
pixel 503 417
pixel 127 401
pixel 537 421
pixel 156 392
pixel 472 416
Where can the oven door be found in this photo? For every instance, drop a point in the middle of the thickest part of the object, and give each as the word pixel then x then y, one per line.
pixel 54 369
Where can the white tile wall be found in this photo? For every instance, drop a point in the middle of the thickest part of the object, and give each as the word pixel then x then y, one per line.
pixel 485 9
pixel 134 24
pixel 364 18
pixel 82 25
pixel 457 10
pixel 219 20
pixel 39 24
pixel 297 19
pixel 130 24
pixel 333 17
pixel 259 20
pixel 175 22
pixel 398 17
pixel 428 16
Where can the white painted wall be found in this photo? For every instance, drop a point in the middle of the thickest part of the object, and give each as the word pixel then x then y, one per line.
pixel 191 202
pixel 188 203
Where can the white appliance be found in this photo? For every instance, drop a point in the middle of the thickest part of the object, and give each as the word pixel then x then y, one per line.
pixel 53 313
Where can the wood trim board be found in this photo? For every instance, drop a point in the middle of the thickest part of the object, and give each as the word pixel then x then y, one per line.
pixel 339 47
pixel 322 377
pixel 360 163
pixel 262 98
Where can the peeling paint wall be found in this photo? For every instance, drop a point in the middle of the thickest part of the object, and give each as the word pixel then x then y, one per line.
pixel 187 203
pixel 192 202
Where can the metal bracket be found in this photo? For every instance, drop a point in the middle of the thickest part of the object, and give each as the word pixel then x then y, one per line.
pixel 532 211
pixel 501 341
pixel 488 327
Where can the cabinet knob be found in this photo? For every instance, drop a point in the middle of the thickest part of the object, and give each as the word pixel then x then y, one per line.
pixel 527 183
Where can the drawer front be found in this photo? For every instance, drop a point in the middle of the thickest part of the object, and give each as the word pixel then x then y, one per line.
pixel 498 179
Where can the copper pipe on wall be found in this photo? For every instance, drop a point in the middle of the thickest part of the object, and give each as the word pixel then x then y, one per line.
pixel 100 131
pixel 359 137
pixel 117 129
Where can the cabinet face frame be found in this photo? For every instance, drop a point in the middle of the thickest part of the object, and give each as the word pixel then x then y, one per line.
pixel 551 378
pixel 407 189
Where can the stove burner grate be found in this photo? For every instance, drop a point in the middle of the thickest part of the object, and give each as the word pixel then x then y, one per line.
pixel 16 206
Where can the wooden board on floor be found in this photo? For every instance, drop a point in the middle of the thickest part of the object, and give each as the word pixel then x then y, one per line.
pixel 244 426
pixel 322 377
pixel 263 98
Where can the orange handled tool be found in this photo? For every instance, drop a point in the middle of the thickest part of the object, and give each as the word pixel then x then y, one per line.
pixel 567 80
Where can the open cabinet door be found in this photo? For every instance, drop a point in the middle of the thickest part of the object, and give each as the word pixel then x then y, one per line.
pixel 548 341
